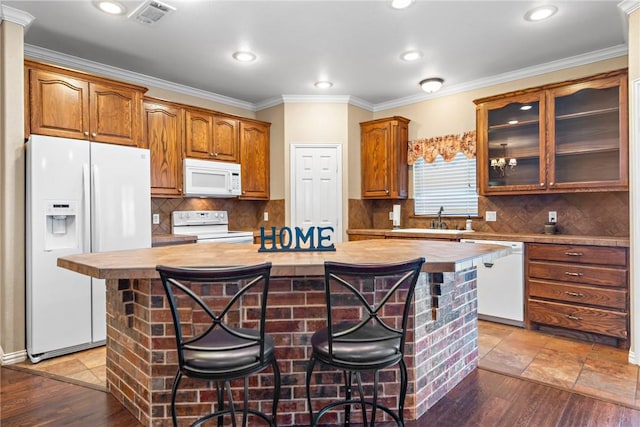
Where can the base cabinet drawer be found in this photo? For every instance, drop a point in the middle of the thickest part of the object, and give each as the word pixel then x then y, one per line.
pixel 578 273
pixel 606 255
pixel 609 298
pixel 586 319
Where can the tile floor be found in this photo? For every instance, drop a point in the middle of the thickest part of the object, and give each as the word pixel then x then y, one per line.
pixel 591 369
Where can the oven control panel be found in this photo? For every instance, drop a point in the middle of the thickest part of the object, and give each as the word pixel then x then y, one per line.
pixel 180 218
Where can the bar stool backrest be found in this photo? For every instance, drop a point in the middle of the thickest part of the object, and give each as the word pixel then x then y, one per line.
pixel 202 299
pixel 377 295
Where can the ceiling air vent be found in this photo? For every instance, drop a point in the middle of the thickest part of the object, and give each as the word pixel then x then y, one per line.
pixel 151 11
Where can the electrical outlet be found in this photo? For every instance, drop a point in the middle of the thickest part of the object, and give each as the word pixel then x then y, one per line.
pixel 156 218
pixel 391 216
pixel 265 216
pixel 490 215
pixel 553 216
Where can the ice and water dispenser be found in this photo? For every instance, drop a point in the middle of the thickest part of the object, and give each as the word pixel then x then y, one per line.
pixel 62 225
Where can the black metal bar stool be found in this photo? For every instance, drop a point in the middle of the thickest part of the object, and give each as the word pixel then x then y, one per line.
pixel 367 344
pixel 211 343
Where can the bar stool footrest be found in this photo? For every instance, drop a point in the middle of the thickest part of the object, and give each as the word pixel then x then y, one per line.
pixel 330 406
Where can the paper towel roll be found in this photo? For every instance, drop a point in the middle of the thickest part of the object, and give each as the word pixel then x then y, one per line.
pixel 396 215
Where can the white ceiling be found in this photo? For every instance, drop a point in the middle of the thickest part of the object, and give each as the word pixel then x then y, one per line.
pixel 354 44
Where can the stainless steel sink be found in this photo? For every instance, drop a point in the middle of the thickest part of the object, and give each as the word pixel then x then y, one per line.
pixel 429 230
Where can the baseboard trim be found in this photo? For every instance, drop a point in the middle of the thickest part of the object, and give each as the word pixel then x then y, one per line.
pixel 14 357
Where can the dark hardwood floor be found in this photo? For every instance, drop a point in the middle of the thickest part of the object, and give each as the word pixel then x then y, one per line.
pixel 484 399
pixel 28 400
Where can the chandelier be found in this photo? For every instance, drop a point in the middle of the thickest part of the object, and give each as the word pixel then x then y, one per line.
pixel 501 163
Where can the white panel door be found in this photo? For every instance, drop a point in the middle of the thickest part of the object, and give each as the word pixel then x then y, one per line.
pixel 316 187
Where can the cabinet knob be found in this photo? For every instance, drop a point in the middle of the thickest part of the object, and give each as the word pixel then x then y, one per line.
pixel 542 184
pixel 386 191
pixel 86 134
pixel 94 134
pixel 215 154
pixel 551 183
pixel 211 154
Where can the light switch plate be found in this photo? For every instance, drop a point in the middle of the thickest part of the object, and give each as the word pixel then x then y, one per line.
pixel 553 216
pixel 490 215
pixel 156 218
pixel 265 216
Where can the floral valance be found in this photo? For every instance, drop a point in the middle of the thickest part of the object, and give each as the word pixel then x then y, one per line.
pixel 447 146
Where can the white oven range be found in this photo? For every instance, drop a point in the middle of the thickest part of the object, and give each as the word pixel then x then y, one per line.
pixel 208 227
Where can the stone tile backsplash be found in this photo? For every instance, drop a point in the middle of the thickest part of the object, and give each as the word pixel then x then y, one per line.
pixel 589 214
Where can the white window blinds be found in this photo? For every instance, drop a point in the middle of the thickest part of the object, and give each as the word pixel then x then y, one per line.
pixel 451 185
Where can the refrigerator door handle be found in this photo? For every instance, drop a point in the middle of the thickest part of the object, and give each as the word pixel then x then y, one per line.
pixel 86 209
pixel 95 197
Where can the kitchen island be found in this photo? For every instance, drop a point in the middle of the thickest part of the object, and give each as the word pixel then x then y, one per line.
pixel 141 358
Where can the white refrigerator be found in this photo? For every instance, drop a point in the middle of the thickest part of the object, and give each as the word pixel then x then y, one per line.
pixel 81 197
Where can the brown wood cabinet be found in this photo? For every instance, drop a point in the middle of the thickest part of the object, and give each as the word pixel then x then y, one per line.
pixel 384 144
pixel 74 105
pixel 210 136
pixel 254 159
pixel 564 137
pixel 163 134
pixel 579 288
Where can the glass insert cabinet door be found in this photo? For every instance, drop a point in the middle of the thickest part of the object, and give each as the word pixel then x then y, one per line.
pixel 589 134
pixel 563 137
pixel 511 148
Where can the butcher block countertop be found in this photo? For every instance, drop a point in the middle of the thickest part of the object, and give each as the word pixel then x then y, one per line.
pixel 171 239
pixel 566 239
pixel 441 256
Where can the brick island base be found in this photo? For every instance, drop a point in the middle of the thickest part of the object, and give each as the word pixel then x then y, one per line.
pixel 442 348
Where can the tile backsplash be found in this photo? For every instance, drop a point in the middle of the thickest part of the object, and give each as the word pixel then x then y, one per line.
pixel 589 214
pixel 244 215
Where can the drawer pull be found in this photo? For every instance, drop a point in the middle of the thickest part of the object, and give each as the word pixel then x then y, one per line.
pixel 573 253
pixel 574 294
pixel 568 273
pixel 572 317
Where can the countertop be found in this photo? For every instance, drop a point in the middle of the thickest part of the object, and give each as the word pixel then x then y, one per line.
pixel 566 239
pixel 441 256
pixel 171 239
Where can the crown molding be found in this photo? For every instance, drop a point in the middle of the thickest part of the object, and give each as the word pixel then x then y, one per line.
pixel 15 15
pixel 42 54
pixel 629 6
pixel 574 61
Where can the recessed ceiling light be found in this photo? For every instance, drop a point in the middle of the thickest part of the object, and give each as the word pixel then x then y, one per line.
pixel 525 107
pixel 401 4
pixel 540 13
pixel 244 56
pixel 323 84
pixel 111 7
pixel 411 55
pixel 432 84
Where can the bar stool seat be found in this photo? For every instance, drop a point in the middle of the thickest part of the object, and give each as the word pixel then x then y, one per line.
pixel 369 339
pixel 212 343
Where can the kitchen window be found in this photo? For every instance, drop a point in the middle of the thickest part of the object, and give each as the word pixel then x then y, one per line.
pixel 451 185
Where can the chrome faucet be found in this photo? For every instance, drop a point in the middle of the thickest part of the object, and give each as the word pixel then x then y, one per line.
pixel 440 223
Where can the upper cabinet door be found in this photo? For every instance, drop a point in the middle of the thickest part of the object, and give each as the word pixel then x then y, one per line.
pixel 58 104
pixel 511 148
pixel 384 144
pixel 199 134
pixel 564 137
pixel 69 104
pixel 588 133
pixel 163 136
pixel 226 142
pixel 254 160
pixel 115 115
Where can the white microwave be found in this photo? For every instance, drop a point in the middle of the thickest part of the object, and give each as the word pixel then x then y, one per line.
pixel 204 178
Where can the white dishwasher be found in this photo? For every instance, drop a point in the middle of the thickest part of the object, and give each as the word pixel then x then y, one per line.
pixel 500 285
